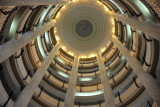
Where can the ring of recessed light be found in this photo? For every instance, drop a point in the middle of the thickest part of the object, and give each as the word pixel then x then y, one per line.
pixel 87 16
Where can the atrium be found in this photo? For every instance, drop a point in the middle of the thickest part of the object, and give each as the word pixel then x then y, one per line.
pixel 79 53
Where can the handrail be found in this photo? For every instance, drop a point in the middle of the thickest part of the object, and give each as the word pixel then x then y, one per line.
pixel 119 95
pixel 40 92
pixel 125 88
pixel 134 79
pixel 10 95
pixel 28 72
pixel 33 43
pixel 59 99
pixel 22 51
pixel 148 40
pixel 49 74
pixel 63 84
pixel 113 79
pixel 143 58
pixel 1 66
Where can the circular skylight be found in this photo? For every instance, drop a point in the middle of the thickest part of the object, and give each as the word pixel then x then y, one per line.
pixel 84 28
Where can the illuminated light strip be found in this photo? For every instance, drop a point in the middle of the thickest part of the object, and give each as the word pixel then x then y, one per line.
pixel 60 60
pixel 89 93
pixel 85 79
pixel 39 38
pixel 63 74
pixel 127 26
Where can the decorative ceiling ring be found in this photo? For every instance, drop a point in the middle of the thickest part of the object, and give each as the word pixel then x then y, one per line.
pixel 98 37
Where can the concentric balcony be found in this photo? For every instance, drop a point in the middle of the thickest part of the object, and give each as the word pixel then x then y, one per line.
pixel 79 53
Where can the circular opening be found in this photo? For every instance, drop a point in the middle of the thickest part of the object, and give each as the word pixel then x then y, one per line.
pixel 84 28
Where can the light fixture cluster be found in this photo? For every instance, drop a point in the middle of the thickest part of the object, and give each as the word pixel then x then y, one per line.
pixel 63 8
pixel 68 51
pixel 102 5
pixel 112 21
pixel 75 0
pixel 106 9
pixel 57 17
pixel 98 2
pixel 113 32
pixel 103 49
pixel 113 27
pixel 56 36
pixel 86 56
pixel 72 54
pixel 60 12
pixel 89 56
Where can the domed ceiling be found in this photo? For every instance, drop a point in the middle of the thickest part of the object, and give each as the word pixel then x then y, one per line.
pixel 83 27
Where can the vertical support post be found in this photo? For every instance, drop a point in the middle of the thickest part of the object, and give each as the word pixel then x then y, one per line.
pixel 146 79
pixel 27 93
pixel 108 94
pixel 148 27
pixel 12 46
pixel 30 2
pixel 70 95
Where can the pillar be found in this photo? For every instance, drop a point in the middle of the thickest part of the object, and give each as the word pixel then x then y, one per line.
pixel 70 95
pixel 148 27
pixel 146 79
pixel 12 46
pixel 27 93
pixel 108 94
pixel 30 2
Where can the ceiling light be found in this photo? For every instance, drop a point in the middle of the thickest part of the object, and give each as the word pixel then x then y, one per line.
pixel 64 48
pixel 103 49
pixel 83 56
pixel 53 20
pixel 58 14
pixel 113 20
pixel 70 53
pixel 106 8
pixel 92 55
pixel 64 7
pixel 57 38
pixel 113 30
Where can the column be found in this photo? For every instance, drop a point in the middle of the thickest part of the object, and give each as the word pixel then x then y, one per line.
pixel 108 94
pixel 148 27
pixel 12 46
pixel 70 95
pixel 30 2
pixel 146 79
pixel 27 93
